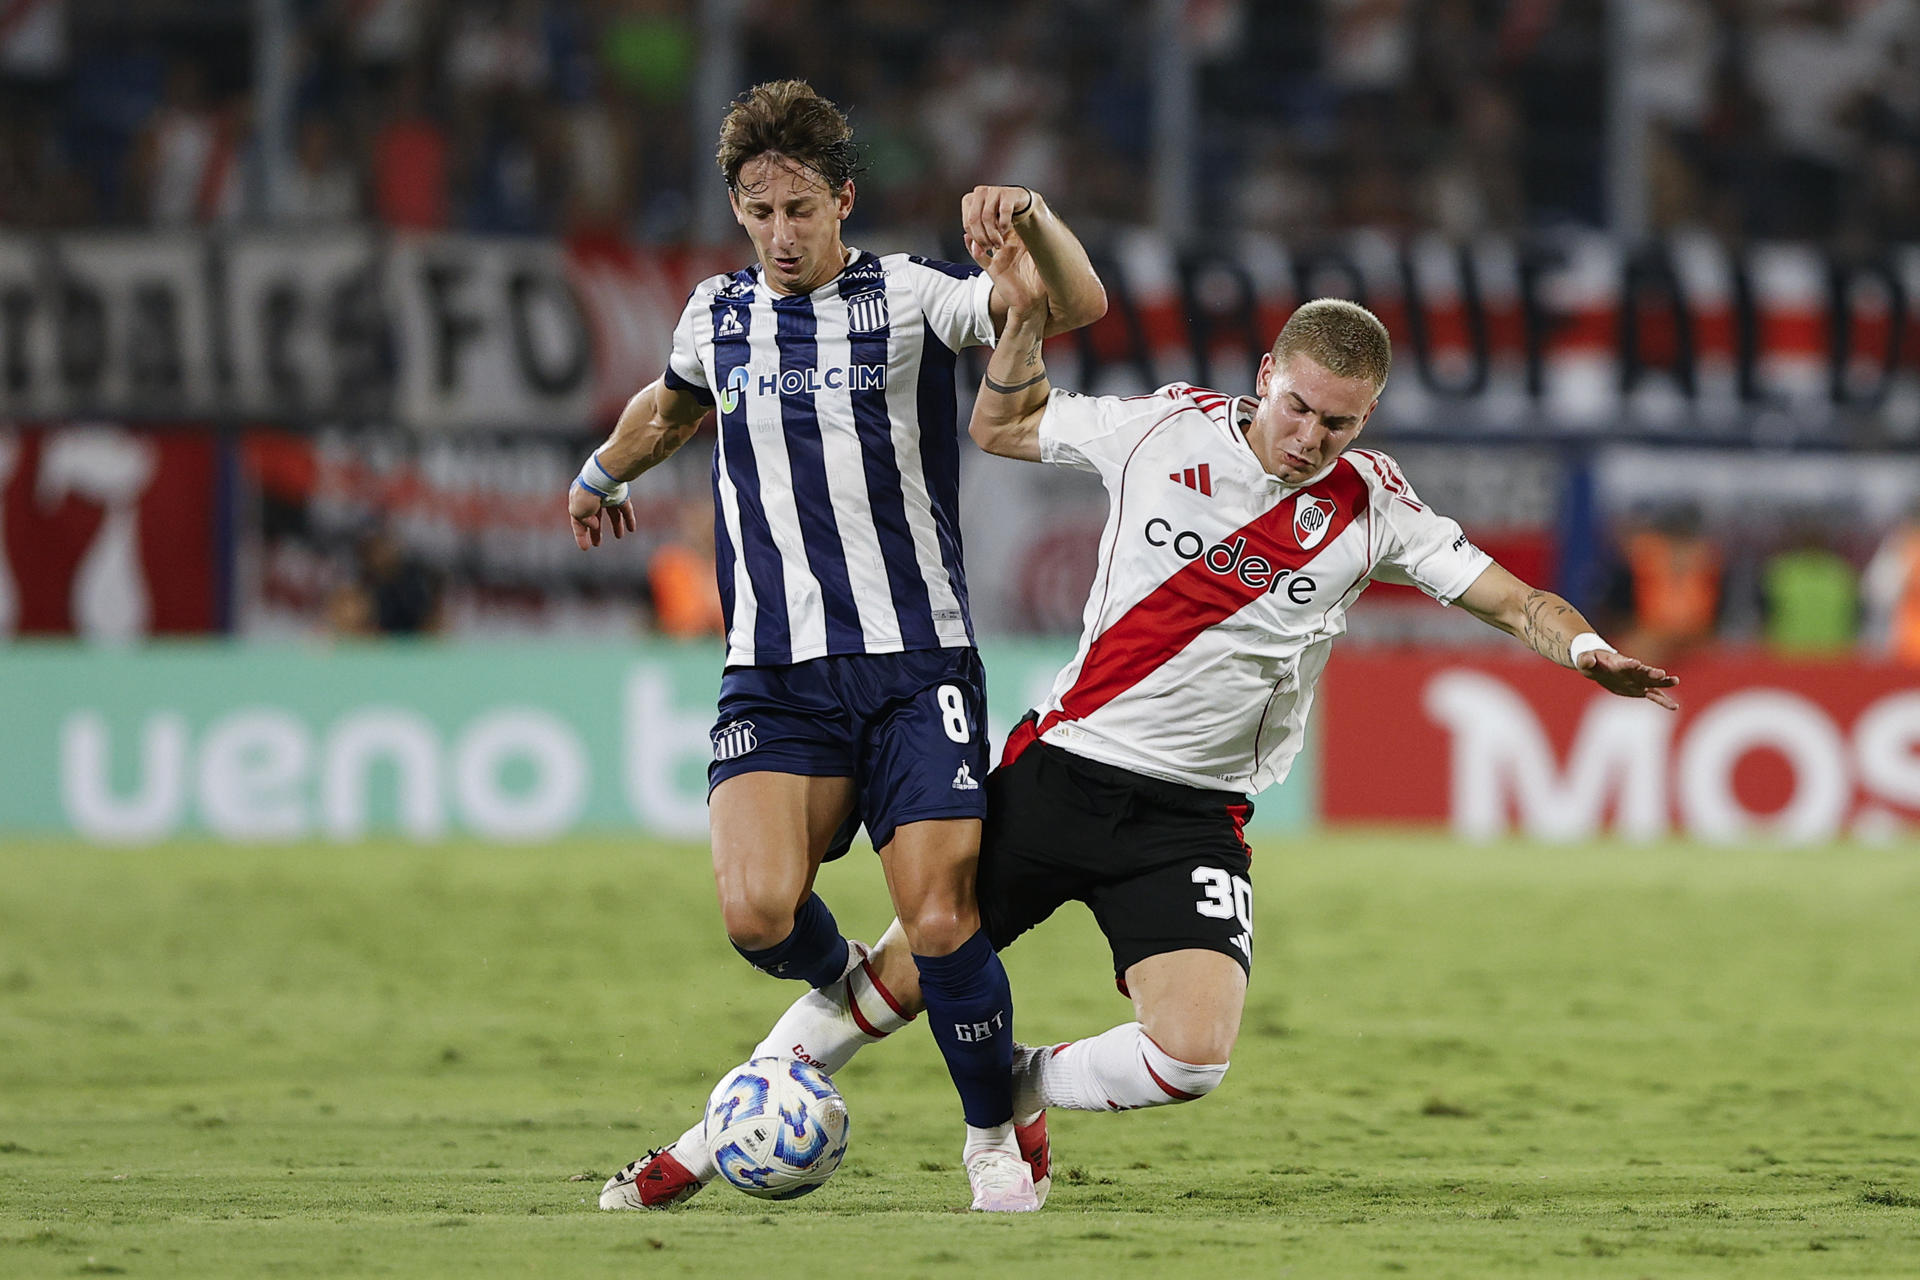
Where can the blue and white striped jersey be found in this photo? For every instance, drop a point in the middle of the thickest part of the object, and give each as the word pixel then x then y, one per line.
pixel 836 478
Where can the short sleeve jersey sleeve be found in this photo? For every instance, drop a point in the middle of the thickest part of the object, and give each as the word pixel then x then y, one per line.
pixel 1416 546
pixel 686 371
pixel 954 299
pixel 1097 433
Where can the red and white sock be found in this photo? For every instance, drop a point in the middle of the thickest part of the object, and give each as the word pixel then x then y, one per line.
pixel 828 1026
pixel 1117 1070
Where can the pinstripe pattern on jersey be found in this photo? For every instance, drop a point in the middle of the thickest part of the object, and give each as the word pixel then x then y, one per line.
pixel 737 491
pixel 798 345
pixel 836 472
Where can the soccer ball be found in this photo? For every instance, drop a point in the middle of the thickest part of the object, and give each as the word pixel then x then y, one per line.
pixel 777 1127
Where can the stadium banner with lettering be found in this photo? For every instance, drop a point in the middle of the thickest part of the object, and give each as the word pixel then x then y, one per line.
pixel 1573 333
pixel 1762 748
pixel 256 743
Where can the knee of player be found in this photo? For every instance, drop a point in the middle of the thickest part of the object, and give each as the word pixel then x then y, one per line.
pixel 1188 1067
pixel 755 924
pixel 940 930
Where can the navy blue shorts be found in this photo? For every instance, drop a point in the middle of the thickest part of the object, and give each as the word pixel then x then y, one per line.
pixel 908 728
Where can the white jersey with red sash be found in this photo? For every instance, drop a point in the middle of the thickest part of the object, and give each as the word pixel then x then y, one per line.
pixel 1220 587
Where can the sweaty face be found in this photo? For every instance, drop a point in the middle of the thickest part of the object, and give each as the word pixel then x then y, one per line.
pixel 793 218
pixel 1306 416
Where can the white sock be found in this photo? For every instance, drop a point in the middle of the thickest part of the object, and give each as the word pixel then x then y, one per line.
pixel 828 1026
pixel 998 1138
pixel 1117 1070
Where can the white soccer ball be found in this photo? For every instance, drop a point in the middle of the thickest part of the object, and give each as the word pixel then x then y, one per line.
pixel 777 1127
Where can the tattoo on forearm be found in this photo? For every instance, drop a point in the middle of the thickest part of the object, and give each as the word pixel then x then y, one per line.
pixel 1017 387
pixel 1548 625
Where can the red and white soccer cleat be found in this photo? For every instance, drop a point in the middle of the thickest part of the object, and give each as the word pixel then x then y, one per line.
pixel 656 1181
pixel 1038 1153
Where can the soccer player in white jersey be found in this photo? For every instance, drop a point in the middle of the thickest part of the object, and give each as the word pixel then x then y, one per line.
pixel 1239 532
pixel 852 689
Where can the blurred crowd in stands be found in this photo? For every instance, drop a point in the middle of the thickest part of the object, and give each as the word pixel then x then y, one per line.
pixel 1762 118
pixel 1815 588
pixel 1765 117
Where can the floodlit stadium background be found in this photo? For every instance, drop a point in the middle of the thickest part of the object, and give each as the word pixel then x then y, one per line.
pixel 309 309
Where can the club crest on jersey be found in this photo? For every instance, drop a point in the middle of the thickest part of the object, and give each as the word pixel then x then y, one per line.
pixel 1312 517
pixel 867 312
pixel 734 740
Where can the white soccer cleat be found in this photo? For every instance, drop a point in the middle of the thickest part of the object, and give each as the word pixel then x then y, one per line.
pixel 1002 1182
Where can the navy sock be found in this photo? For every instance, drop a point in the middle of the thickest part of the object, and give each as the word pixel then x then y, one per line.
pixel 814 952
pixel 970 1009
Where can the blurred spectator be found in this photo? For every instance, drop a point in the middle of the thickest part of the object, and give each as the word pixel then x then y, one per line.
pixel 1277 192
pixel 680 576
pixel 1810 601
pixel 385 35
pixel 1671 584
pixel 1812 76
pixel 410 161
pixel 1473 180
pixel 186 164
pixel 1891 587
pixel 401 596
pixel 320 187
pixel 1553 52
pixel 33 42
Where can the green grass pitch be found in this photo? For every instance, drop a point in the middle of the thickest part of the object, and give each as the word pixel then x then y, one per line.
pixel 1595 1061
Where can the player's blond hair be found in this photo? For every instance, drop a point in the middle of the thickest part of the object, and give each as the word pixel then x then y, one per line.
pixel 1342 337
pixel 788 118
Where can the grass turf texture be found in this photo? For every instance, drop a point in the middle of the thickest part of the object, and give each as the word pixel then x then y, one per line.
pixel 1594 1061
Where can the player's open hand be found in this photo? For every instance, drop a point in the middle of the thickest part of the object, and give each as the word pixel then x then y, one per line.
pixel 1628 677
pixel 589 515
pixel 989 214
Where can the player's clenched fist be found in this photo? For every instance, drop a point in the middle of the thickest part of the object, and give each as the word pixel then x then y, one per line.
pixel 989 214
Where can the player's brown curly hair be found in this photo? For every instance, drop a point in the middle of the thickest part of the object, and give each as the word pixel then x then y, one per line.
pixel 1343 337
pixel 787 117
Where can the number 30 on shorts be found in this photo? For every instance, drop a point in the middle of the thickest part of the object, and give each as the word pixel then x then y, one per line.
pixel 953 713
pixel 1224 896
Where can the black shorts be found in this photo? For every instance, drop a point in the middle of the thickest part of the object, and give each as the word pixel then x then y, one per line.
pixel 1163 867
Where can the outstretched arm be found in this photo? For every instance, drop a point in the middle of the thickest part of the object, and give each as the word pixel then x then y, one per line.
pixel 657 421
pixel 1073 293
pixel 1550 627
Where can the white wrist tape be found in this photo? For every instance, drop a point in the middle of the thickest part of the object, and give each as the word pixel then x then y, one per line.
pixel 597 480
pixel 1584 643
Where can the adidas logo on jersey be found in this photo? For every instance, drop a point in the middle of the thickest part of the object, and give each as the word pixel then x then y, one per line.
pixel 1200 477
pixel 729 326
pixel 735 740
pixel 964 780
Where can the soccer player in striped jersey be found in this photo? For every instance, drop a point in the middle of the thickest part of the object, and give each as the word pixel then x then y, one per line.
pixel 1240 530
pixel 852 689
